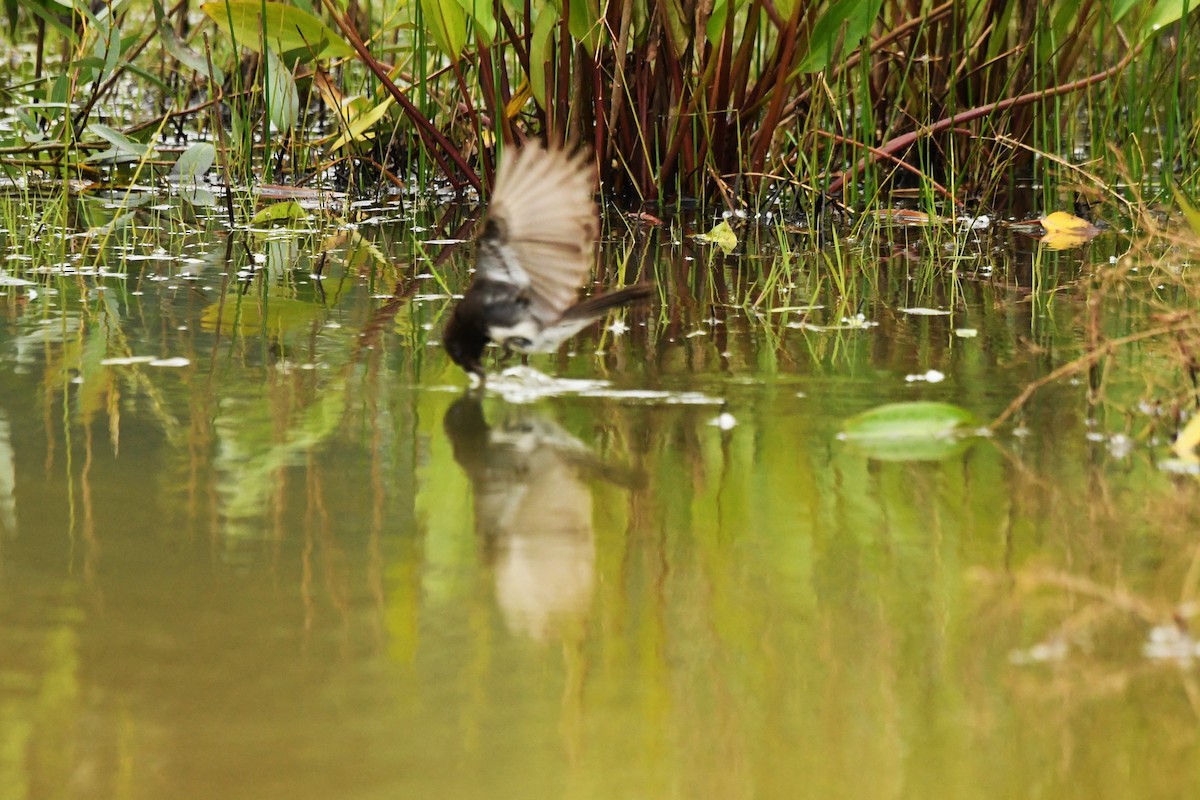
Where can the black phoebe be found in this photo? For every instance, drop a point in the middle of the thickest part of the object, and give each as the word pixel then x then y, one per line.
pixel 533 255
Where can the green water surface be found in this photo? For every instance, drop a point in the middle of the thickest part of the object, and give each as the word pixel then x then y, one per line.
pixel 256 543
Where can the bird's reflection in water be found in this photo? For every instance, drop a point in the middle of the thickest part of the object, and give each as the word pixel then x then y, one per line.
pixel 533 512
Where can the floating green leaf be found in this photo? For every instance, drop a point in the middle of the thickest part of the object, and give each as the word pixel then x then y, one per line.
pixel 908 420
pixel 915 431
pixel 288 211
pixel 276 317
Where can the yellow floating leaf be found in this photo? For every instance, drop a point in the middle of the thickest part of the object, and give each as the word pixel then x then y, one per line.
pixel 1062 222
pixel 1185 444
pixel 722 236
pixel 1065 230
pixel 1065 241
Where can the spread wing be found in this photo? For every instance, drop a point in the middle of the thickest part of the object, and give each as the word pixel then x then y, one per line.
pixel 541 227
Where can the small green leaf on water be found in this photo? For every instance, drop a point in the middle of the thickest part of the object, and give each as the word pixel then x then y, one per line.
pixel 918 431
pixel 916 420
pixel 288 211
pixel 722 236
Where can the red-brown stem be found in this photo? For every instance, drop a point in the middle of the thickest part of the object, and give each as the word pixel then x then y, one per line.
pixel 902 142
pixel 430 135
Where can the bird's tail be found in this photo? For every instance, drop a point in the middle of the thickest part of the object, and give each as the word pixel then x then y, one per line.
pixel 594 306
pixel 583 313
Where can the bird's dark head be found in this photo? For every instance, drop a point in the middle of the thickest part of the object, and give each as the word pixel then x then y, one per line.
pixel 464 338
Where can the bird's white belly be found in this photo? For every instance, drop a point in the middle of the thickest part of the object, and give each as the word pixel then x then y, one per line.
pixel 524 337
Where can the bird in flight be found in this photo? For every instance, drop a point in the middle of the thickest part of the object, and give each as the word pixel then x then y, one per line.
pixel 533 255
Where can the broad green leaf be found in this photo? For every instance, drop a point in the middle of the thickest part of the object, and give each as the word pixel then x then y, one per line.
pixel 722 236
pixel 715 27
pixel 286 29
pixel 362 123
pixel 915 420
pixel 283 99
pixel 585 24
pixel 540 50
pixel 1119 8
pixel 120 141
pixel 288 211
pixel 181 51
pixel 915 431
pixel 677 25
pixel 446 22
pixel 1164 13
pixel 853 17
pixel 480 12
pixel 195 161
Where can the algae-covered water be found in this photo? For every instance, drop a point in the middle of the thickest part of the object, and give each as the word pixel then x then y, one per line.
pixel 255 540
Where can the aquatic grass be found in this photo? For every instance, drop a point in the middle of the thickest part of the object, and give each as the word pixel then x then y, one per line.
pixel 832 97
